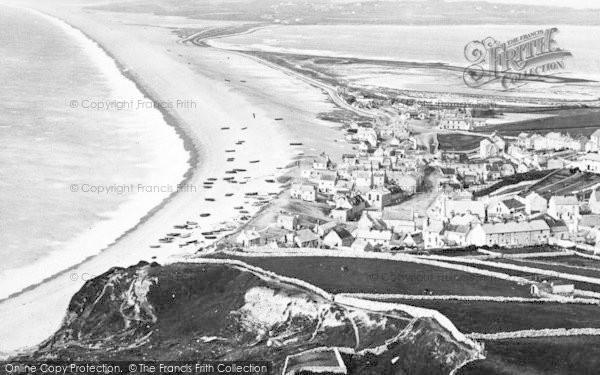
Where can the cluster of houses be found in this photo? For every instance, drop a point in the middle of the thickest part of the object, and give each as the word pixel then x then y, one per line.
pixel 363 192
pixel 524 219
pixel 558 141
pixel 452 220
pixel 374 230
pixel 458 119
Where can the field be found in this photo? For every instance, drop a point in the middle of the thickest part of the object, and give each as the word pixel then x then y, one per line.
pixel 458 142
pixel 526 250
pixel 512 180
pixel 493 317
pixel 564 182
pixel 576 355
pixel 554 267
pixel 573 271
pixel 356 275
pixel 574 121
pixel 551 182
pixel 570 261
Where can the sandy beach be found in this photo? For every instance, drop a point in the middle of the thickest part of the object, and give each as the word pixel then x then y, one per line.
pixel 237 100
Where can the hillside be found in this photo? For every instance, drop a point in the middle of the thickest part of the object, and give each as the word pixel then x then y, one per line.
pixel 226 312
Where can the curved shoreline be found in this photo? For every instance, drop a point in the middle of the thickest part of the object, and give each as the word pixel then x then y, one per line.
pixel 175 72
pixel 189 146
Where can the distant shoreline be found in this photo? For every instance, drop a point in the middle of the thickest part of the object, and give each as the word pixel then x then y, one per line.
pixel 189 147
pixel 208 130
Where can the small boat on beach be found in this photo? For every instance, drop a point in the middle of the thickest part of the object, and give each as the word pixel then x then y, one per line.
pixel 180 226
pixel 231 172
pixel 239 170
pixel 211 237
pixel 254 161
pixel 229 150
pixel 228 194
pixel 244 128
pixel 239 208
pixel 270 181
pixel 154 246
pixel 225 128
pixel 212 179
pixel 230 159
pixel 186 235
pixel 209 199
pixel 173 234
pixel 228 178
pixel 227 80
pixel 191 223
pixel 295 143
pixel 251 194
pixel 204 215
pixel 278 118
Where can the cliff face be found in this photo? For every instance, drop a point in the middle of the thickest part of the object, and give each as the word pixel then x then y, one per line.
pixel 223 312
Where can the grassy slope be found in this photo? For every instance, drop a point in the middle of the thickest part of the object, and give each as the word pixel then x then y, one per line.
pixel 384 276
pixel 573 271
pixel 492 317
pixel 571 261
pixel 578 355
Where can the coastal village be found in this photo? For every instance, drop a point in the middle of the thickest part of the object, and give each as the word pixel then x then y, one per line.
pixel 394 195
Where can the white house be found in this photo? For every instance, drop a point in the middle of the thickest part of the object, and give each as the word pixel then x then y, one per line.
pixel 505 207
pixel 534 203
pixel 305 192
pixel 488 149
pixel 321 163
pixel 327 183
pixel 457 234
pixel 306 238
pixel 288 221
pixel 375 236
pixel 595 141
pixel 399 221
pixel 248 238
pixel 338 237
pixel 363 178
pixel 563 208
pixel 432 234
pixel 594 202
pixel 535 232
pixel 590 162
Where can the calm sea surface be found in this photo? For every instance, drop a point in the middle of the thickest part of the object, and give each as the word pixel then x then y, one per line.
pixel 55 154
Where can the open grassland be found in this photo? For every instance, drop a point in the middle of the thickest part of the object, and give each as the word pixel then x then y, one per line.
pixel 564 182
pixel 493 317
pixel 574 260
pixel 458 142
pixel 577 355
pixel 359 275
pixel 575 121
pixel 498 267
pixel 553 267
